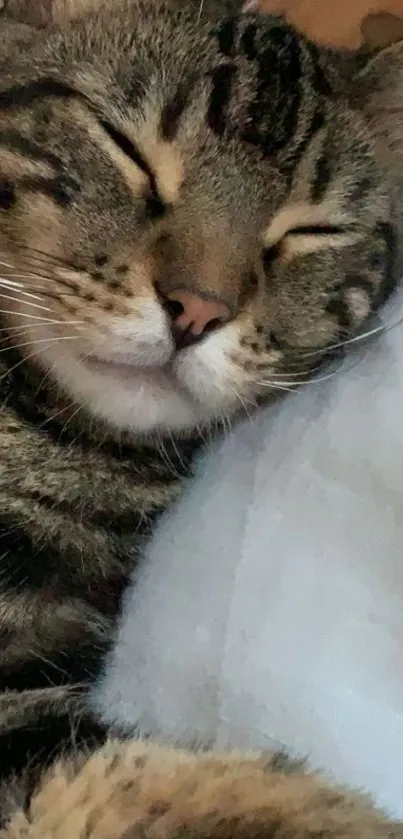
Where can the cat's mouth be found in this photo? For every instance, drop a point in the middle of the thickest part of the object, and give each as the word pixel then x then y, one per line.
pixel 121 366
pixel 148 386
pixel 127 364
pixel 130 372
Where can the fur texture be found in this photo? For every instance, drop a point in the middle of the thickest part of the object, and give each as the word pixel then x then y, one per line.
pixel 147 152
pixel 139 790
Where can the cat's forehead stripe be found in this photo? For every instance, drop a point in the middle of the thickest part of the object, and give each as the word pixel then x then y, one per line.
pixel 28 148
pixel 295 216
pixel 222 80
pixel 20 96
pixel 168 168
pixel 162 156
pixel 172 112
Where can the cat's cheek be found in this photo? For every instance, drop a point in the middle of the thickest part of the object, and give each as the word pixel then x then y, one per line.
pixel 210 373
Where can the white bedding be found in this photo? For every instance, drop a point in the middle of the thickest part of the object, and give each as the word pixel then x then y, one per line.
pixel 269 609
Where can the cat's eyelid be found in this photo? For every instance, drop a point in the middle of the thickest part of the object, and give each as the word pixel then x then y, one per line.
pixel 131 151
pixel 317 230
pixel 305 239
pixel 305 219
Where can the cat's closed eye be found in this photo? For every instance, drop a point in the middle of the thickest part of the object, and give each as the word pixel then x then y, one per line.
pixel 155 206
pixel 279 249
pixel 303 239
pixel 316 230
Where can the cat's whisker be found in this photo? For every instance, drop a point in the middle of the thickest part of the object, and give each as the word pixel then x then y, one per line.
pixel 287 386
pixel 26 302
pixel 165 456
pixel 48 257
pixel 46 277
pixel 15 366
pixel 27 315
pixel 200 10
pixel 299 374
pixel 71 417
pixel 243 401
pixel 31 272
pixel 326 376
pixel 48 375
pixel 37 318
pixel 31 276
pixel 11 282
pixel 226 424
pixel 39 341
pixel 17 288
pixel 37 256
pixel 54 416
pixel 320 379
pixel 356 339
pixel 80 407
pixel 314 380
pixel 23 327
pixel 44 289
pixel 52 295
pixel 176 450
pixel 20 288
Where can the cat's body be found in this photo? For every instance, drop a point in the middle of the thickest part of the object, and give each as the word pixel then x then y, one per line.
pixel 189 213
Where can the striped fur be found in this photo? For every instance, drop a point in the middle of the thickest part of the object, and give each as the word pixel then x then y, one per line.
pixel 144 147
pixel 141 791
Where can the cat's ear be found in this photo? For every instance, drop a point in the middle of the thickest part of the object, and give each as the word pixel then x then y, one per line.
pixel 381 29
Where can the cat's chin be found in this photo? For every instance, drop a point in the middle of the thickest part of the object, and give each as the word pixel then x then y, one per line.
pixel 137 399
pixel 128 397
pixel 148 393
pixel 124 370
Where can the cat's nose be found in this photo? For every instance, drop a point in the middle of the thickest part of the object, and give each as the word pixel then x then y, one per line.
pixel 192 316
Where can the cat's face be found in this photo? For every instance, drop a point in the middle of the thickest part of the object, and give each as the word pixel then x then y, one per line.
pixel 135 228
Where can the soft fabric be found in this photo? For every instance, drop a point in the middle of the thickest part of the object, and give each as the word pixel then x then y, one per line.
pixel 269 609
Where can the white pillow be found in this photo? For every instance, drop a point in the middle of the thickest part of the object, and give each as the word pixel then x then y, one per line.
pixel 269 607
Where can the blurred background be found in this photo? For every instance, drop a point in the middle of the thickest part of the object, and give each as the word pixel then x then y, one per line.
pixel 332 21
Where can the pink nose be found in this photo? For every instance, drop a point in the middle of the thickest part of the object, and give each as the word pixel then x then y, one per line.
pixel 192 316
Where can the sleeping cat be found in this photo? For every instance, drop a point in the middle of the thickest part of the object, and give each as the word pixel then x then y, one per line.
pixel 192 210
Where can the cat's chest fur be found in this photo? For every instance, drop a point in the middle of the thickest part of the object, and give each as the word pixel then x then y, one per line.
pixel 269 609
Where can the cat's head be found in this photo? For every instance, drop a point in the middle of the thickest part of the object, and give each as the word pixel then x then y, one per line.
pixel 133 226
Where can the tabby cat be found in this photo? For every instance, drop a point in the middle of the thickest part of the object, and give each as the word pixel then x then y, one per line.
pixel 194 212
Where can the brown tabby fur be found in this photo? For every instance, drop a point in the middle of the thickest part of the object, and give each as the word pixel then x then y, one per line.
pixel 143 791
pixel 282 200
